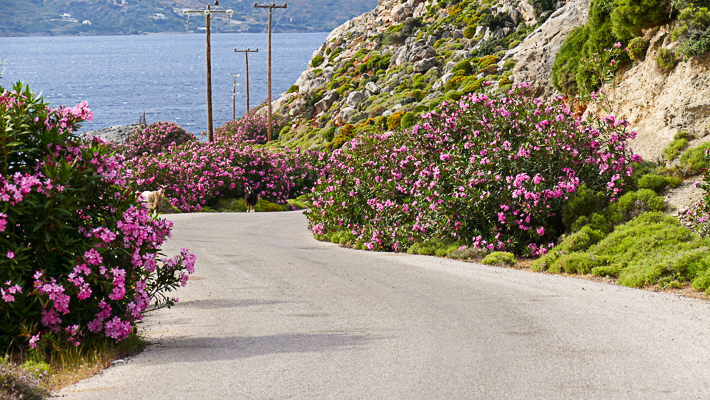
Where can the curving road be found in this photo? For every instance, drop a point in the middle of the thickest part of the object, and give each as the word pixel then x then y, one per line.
pixel 274 314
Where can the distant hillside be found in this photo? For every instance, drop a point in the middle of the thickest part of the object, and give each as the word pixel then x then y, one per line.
pixel 111 17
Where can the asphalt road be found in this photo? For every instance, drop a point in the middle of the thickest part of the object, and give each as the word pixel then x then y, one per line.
pixel 274 314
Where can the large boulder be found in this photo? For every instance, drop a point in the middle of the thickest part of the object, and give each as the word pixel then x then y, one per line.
pixel 536 55
pixel 422 53
pixel 354 99
pixel 400 55
pixel 425 65
pixel 326 102
pixel 116 134
pixel 372 89
pixel 400 13
pixel 345 114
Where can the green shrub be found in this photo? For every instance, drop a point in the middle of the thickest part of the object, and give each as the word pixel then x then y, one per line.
pixel 329 134
pixel 486 61
pixel 564 70
pixel 584 202
pixel 514 44
pixel 464 66
pixel 408 120
pixel 629 17
pixel 575 263
pixel 317 60
pixel 666 59
pixel 510 64
pixel 652 249
pixel 657 182
pixel 695 158
pixel 293 89
pixel 500 258
pixel 454 83
pixel 637 48
pixel 679 31
pixel 672 151
pixel 635 203
pixel 421 108
pixel 394 120
pixel 469 31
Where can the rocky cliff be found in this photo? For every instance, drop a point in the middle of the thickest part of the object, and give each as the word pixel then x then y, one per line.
pixel 383 68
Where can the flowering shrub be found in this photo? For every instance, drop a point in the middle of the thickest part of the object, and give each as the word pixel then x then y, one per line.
pixel 251 128
pixel 196 173
pixel 77 256
pixel 700 216
pixel 492 173
pixel 155 138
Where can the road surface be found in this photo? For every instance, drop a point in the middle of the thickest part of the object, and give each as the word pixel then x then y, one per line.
pixel 274 314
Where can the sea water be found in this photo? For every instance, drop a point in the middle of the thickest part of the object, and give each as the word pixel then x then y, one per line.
pixel 162 75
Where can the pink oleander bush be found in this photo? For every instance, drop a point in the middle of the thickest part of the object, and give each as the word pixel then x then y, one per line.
pixel 155 138
pixel 195 174
pixel 490 173
pixel 251 128
pixel 78 257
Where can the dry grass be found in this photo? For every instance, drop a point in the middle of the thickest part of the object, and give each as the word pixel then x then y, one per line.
pixel 71 365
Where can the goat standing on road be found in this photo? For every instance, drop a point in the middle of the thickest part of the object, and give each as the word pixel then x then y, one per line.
pixel 152 200
pixel 251 198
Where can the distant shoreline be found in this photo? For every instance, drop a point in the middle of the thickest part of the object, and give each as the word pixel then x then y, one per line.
pixel 154 34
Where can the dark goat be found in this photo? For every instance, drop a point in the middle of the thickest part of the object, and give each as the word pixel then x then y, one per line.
pixel 251 198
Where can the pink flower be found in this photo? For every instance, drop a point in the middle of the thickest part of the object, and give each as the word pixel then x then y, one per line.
pixel 10 255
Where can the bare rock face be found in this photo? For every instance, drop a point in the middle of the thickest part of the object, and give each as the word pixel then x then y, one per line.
pixel 536 55
pixel 401 12
pixel 422 53
pixel 425 65
pixel 326 102
pixel 527 12
pixel 345 115
pixel 115 134
pixel 354 99
pixel 658 104
pixel 372 88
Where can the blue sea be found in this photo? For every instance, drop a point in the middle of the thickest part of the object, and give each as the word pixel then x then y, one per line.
pixel 164 75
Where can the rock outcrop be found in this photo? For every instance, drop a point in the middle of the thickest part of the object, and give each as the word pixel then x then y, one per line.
pixel 659 104
pixel 115 134
pixel 536 55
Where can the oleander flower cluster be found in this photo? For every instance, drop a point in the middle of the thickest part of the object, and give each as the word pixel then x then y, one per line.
pixel 195 173
pixel 154 139
pixel 252 128
pixel 78 256
pixel 491 173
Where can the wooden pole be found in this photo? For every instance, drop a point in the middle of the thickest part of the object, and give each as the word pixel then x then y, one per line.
pixel 208 16
pixel 234 99
pixel 271 8
pixel 268 121
pixel 246 54
pixel 210 128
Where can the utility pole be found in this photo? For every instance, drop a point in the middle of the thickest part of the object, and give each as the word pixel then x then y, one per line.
pixel 234 99
pixel 271 8
pixel 208 12
pixel 246 54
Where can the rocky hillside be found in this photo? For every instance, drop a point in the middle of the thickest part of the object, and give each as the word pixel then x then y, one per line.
pixel 380 70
